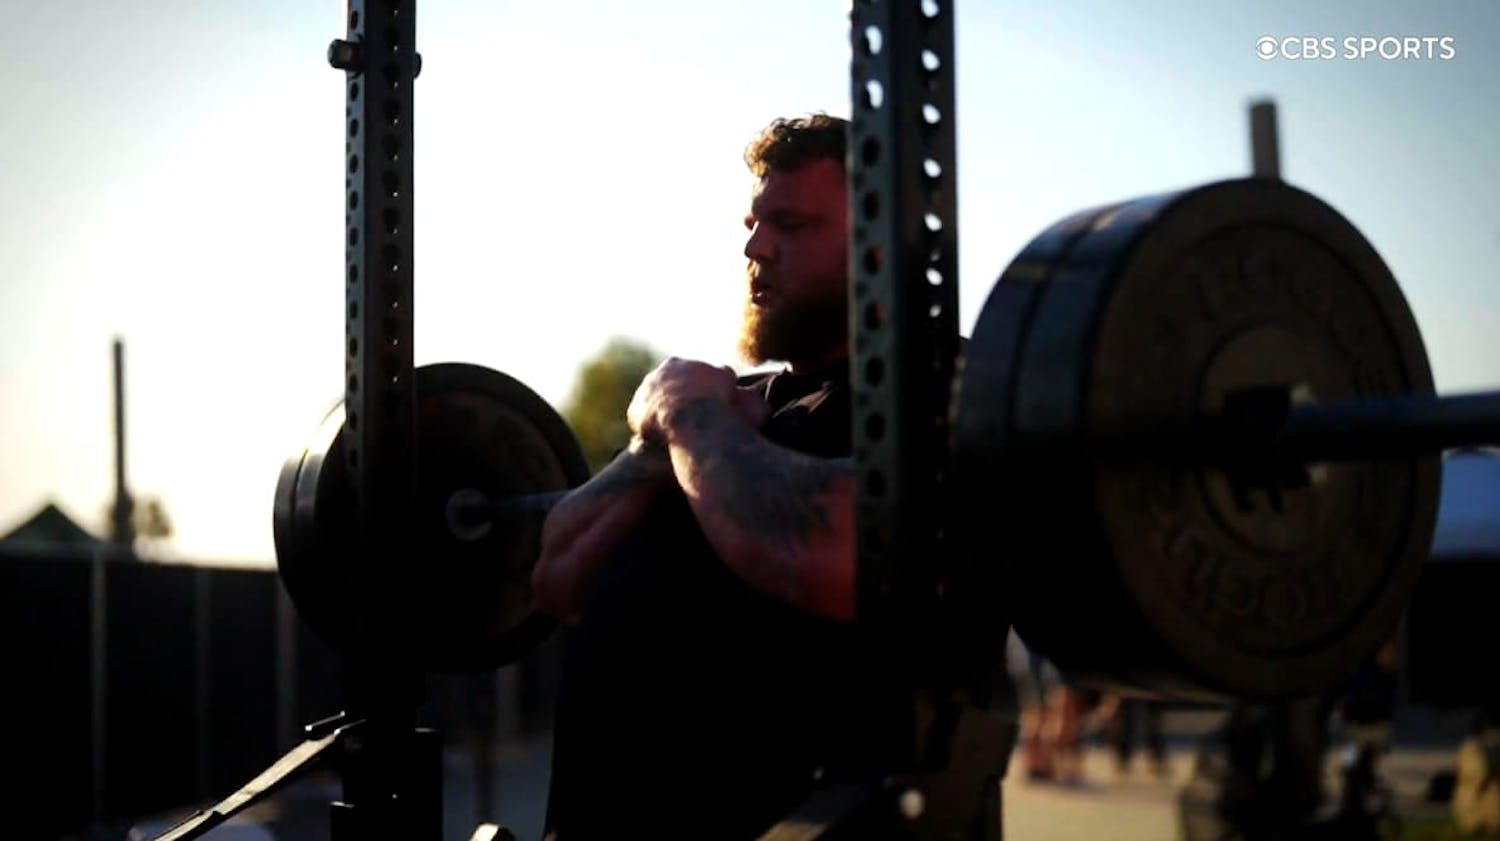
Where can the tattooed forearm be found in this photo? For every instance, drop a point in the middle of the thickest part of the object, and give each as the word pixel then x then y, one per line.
pixel 777 494
pixel 780 519
pixel 780 499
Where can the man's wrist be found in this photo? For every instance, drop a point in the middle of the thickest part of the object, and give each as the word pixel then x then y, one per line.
pixel 649 453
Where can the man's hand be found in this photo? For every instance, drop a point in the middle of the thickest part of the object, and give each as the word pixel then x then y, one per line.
pixel 584 530
pixel 677 383
pixel 781 520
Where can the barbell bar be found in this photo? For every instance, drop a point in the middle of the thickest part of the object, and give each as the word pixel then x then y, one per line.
pixel 1266 424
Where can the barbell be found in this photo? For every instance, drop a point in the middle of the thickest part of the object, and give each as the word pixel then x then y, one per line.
pixel 1194 440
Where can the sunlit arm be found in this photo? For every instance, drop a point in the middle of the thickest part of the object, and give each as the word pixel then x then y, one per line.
pixel 585 528
pixel 783 521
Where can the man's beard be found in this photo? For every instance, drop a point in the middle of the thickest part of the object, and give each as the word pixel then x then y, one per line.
pixel 795 329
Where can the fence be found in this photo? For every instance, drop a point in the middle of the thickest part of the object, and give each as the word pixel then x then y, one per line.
pixel 132 688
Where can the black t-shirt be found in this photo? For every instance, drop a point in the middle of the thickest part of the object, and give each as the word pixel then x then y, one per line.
pixel 691 705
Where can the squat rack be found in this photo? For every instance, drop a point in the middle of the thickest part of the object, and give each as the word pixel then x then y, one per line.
pixel 901 170
pixel 904 335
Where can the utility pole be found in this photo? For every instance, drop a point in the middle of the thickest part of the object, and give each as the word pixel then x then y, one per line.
pixel 1265 145
pixel 122 526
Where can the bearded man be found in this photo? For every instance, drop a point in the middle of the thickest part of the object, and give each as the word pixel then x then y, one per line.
pixel 712 673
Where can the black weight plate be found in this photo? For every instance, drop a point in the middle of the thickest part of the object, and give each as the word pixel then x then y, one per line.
pixel 463 605
pixel 983 406
pixel 1172 579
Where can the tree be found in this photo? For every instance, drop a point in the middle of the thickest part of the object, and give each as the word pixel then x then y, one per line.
pixel 596 406
pixel 151 520
pixel 149 523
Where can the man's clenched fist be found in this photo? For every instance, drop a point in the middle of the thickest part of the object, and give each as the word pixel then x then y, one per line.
pixel 678 383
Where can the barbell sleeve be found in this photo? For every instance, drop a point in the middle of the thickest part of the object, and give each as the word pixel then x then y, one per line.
pixel 1264 424
pixel 1388 427
pixel 470 513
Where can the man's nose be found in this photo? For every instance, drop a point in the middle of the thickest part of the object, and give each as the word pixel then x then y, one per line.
pixel 759 247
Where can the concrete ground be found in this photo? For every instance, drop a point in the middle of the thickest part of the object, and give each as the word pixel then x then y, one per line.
pixel 1142 807
pixel 1136 806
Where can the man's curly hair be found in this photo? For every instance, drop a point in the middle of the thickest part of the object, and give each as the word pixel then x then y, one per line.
pixel 788 144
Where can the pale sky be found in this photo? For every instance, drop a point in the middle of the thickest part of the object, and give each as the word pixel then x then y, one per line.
pixel 172 173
